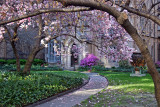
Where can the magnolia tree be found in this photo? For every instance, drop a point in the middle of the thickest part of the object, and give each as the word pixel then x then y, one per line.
pixel 110 38
pixel 53 24
pixel 101 30
pixel 10 9
pixel 48 24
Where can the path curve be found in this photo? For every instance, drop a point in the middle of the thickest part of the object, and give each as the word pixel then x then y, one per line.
pixel 95 84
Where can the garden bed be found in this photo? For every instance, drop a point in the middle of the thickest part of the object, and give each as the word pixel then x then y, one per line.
pixel 19 90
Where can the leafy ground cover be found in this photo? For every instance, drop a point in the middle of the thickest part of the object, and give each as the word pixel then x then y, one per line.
pixel 123 91
pixel 70 74
pixel 17 90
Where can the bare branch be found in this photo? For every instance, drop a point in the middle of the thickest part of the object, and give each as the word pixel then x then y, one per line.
pixel 153 5
pixel 144 14
pixel 126 4
pixel 140 13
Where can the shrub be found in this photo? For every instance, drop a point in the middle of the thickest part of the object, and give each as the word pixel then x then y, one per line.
pixel 11 61
pixel 2 61
pixel 38 62
pixel 22 62
pixel 83 68
pixel 33 68
pixel 121 70
pixel 124 64
pixel 89 61
pixel 98 68
pixel 113 67
pixel 39 68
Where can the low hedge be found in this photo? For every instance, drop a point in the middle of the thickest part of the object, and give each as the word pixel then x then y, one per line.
pixel 33 68
pixel 38 62
pixel 83 68
pixel 98 68
pixel 17 90
pixel 121 70
pixel 2 62
pixel 39 68
pixel 93 68
pixel 22 61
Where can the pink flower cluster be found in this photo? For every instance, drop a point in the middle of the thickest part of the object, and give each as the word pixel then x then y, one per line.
pixel 89 60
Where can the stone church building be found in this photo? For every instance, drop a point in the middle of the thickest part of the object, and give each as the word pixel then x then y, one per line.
pixel 67 60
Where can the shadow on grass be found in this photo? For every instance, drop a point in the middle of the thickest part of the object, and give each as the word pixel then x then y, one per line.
pixel 125 82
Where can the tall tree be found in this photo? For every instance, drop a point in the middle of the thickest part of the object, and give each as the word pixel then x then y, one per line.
pixel 16 8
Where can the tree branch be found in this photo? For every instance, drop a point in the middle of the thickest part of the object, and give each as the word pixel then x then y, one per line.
pixel 126 4
pixel 9 34
pixel 153 5
pixel 46 42
pixel 140 13
pixel 41 11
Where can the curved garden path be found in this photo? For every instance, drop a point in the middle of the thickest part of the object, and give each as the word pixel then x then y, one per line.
pixel 95 84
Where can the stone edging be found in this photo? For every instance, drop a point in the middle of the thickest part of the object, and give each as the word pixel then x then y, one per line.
pixel 58 95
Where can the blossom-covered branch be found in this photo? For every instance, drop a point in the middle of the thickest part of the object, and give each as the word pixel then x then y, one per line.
pixel 41 11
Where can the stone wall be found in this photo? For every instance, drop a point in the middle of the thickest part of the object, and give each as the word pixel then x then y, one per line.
pixel 24 45
pixel 149 31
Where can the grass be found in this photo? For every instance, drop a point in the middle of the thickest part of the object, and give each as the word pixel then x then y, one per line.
pixel 124 82
pixel 123 91
pixel 17 90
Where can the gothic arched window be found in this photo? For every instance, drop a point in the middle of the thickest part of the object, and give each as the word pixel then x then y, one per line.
pixel 53 54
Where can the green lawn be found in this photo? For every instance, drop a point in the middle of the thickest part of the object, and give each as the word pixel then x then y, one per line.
pixel 17 90
pixel 124 82
pixel 123 91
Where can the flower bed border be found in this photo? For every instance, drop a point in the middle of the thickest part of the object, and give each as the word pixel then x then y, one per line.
pixel 58 95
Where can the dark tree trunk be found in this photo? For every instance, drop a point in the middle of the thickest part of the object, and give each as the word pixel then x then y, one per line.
pixel 29 61
pixel 35 50
pixel 12 39
pixel 146 54
pixel 18 66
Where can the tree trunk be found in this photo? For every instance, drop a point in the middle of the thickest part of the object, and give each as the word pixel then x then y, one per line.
pixel 146 54
pixel 12 42
pixel 18 66
pixel 36 48
pixel 29 61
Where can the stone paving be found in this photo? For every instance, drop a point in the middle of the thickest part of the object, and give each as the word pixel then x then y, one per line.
pixel 96 84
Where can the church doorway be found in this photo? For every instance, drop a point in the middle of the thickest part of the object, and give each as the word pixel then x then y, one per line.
pixel 74 55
